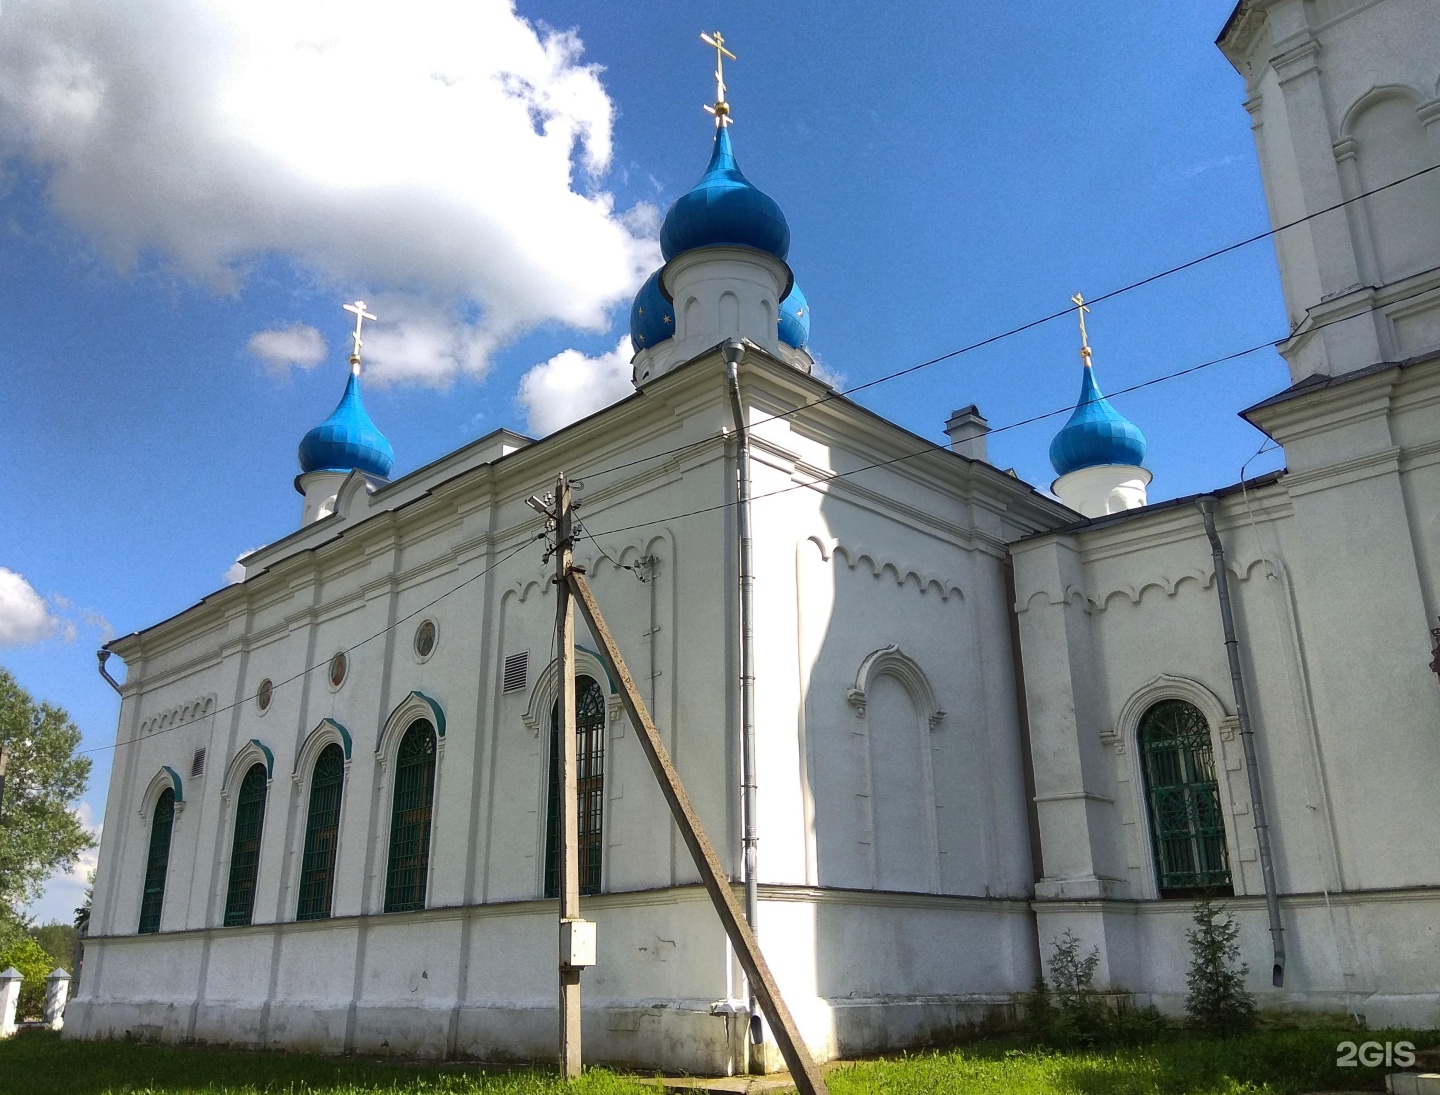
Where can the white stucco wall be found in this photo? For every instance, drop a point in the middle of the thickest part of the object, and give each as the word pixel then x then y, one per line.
pixel 910 556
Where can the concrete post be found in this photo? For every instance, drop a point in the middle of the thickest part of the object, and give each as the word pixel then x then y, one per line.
pixel 9 999
pixel 57 991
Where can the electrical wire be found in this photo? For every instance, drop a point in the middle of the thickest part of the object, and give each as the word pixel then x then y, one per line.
pixel 320 665
pixel 969 348
pixel 1012 425
pixel 636 568
pixel 1029 325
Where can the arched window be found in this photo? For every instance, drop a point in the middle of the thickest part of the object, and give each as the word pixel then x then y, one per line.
pixel 245 850
pixel 156 863
pixel 410 819
pixel 1187 827
pixel 589 787
pixel 322 832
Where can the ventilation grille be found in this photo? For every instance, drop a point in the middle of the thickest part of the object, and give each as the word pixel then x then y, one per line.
pixel 517 669
pixel 197 763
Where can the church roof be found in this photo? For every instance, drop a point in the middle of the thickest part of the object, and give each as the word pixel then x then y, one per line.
pixel 724 208
pixel 347 440
pixel 1096 434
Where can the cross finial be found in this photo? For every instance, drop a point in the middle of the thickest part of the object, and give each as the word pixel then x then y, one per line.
pixel 360 317
pixel 721 109
pixel 1080 308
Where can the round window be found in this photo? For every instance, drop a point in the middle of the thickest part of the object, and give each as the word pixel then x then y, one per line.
pixel 339 665
pixel 425 639
pixel 264 694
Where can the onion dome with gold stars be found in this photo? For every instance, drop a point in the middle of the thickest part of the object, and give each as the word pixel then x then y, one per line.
pixel 652 317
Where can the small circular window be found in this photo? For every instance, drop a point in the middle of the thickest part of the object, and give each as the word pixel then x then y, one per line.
pixel 264 694
pixel 425 639
pixel 339 666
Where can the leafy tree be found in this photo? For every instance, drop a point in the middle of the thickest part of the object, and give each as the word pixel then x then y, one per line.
pixel 34 965
pixel 1218 1002
pixel 58 941
pixel 39 834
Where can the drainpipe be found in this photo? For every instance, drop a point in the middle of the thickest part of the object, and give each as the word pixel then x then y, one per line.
pixel 1247 739
pixel 103 656
pixel 733 351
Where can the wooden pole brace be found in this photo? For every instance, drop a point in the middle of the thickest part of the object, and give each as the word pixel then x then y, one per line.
pixel 803 1069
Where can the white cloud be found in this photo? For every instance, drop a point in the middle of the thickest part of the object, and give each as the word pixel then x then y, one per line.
pixel 235 572
pixel 821 371
pixel 449 150
pixel 25 618
pixel 298 345
pixel 570 385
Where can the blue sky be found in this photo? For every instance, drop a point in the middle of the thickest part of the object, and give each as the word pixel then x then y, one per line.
pixel 948 173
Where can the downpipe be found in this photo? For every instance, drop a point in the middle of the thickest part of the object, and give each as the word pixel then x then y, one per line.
pixel 1247 740
pixel 103 656
pixel 733 352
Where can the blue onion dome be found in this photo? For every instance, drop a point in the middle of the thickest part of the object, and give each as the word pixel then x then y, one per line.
pixel 795 319
pixel 1097 434
pixel 723 208
pixel 652 317
pixel 347 440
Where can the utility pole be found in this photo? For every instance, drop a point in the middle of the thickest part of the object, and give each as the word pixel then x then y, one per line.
pixel 4 764
pixel 568 841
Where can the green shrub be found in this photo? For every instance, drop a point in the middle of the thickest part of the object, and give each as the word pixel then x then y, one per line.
pixel 34 964
pixel 1217 1001
pixel 1068 1013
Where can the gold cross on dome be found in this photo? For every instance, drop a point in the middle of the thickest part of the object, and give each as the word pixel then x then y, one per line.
pixel 1081 309
pixel 721 109
pixel 361 315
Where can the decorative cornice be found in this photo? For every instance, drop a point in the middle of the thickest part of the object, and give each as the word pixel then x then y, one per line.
pixel 879 563
pixel 180 715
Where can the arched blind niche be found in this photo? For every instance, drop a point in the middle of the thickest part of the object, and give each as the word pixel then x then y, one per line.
pixel 322 833
pixel 410 819
pixel 245 848
pixel 898 798
pixel 1182 798
pixel 157 862
pixel 589 787
pixel 1404 220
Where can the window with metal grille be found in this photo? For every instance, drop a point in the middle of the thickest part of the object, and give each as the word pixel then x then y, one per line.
pixel 245 849
pixel 1182 797
pixel 410 819
pixel 197 763
pixel 589 787
pixel 322 833
pixel 153 898
pixel 517 667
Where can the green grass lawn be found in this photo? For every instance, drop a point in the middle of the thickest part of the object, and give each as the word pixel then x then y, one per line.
pixel 1270 1061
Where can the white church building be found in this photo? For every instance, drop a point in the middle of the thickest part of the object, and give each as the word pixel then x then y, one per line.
pixel 982 716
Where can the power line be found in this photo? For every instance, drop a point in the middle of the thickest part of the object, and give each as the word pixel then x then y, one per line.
pixel 990 340
pixel 320 665
pixel 1037 322
pixel 1009 426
